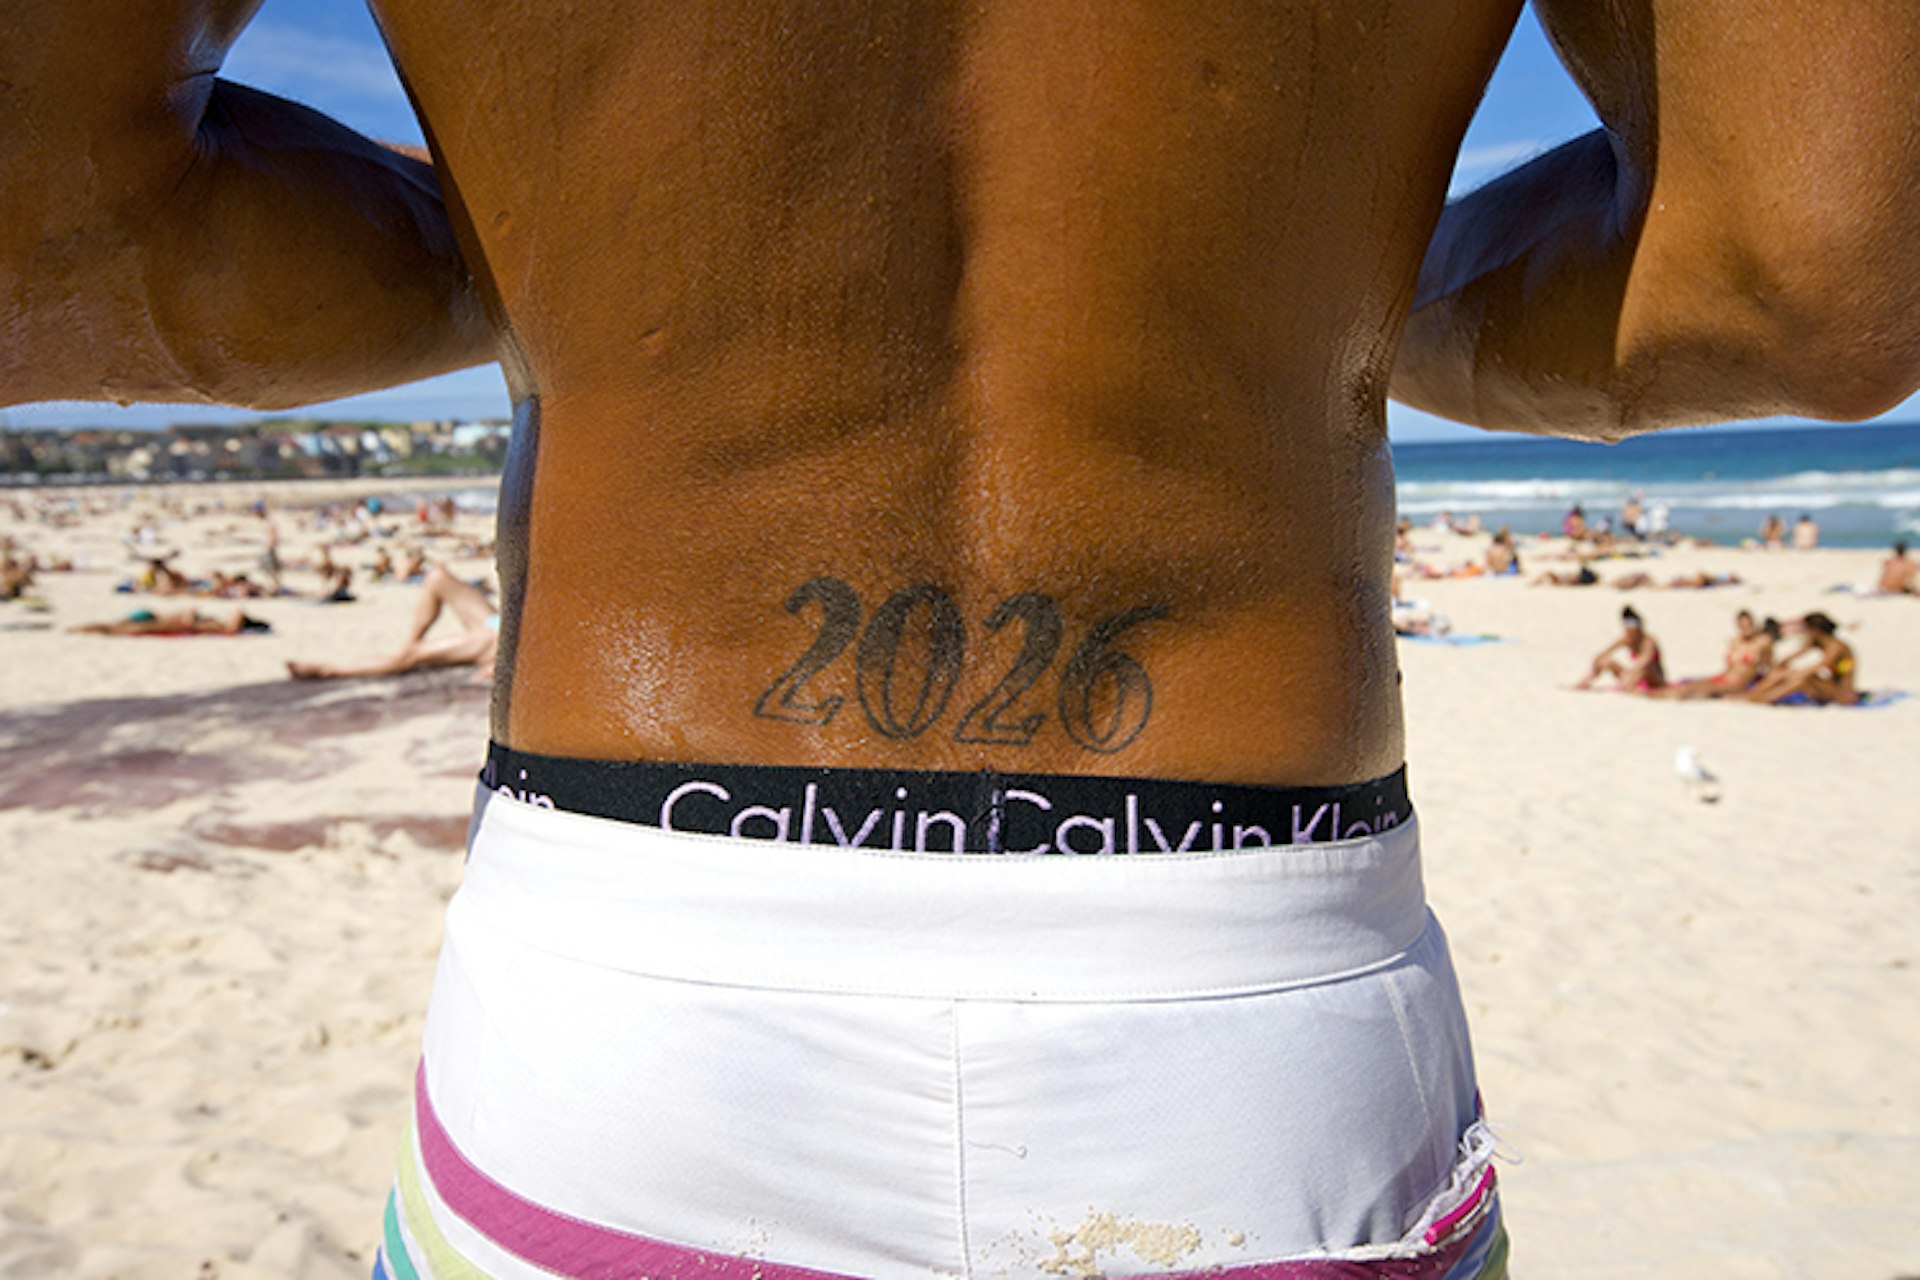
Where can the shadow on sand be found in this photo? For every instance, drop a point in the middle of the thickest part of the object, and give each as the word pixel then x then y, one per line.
pixel 120 755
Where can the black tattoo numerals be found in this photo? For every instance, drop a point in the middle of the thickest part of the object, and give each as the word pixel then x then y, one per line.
pixel 1095 660
pixel 1104 696
pixel 982 723
pixel 880 656
pixel 839 621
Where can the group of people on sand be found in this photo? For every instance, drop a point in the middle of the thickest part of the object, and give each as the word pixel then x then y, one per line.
pixel 1635 580
pixel 1501 559
pixel 441 593
pixel 1821 671
pixel 1639 521
pixel 1774 537
pixel 158 576
pixel 19 565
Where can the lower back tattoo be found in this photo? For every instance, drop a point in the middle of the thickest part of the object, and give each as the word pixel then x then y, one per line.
pixel 912 654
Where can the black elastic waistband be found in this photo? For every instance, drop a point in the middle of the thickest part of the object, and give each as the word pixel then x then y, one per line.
pixel 941 812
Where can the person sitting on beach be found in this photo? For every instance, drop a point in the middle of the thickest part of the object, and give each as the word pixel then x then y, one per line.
pixel 1773 533
pixel 1898 574
pixel 16 575
pixel 1637 669
pixel 1658 519
pixel 1421 620
pixel 270 554
pixel 1633 515
pixel 162 579
pixel 1416 617
pixel 1574 524
pixel 1806 533
pixel 181 622
pixel 1749 657
pixel 382 567
pixel 340 589
pixel 473 646
pixel 1502 558
pixel 1827 677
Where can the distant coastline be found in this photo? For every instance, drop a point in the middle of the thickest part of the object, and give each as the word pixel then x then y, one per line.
pixel 278 449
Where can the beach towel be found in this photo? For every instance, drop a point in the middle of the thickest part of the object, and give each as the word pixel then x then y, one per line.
pixel 1863 592
pixel 1458 639
pixel 1868 701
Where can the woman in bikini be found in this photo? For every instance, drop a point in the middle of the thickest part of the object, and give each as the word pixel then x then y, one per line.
pixel 1749 657
pixel 1638 668
pixel 1828 679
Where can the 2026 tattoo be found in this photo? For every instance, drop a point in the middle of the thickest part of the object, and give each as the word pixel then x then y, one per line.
pixel 1104 697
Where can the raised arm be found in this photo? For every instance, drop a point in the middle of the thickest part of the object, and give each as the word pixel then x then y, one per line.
pixel 1738 241
pixel 167 235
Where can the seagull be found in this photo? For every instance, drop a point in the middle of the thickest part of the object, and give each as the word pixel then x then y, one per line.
pixel 1696 777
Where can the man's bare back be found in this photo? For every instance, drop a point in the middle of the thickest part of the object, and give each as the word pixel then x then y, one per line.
pixel 922 386
pixel 883 359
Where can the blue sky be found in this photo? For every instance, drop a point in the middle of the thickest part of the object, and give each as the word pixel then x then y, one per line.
pixel 326 53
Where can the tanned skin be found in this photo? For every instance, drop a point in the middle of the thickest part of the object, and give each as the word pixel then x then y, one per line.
pixel 928 385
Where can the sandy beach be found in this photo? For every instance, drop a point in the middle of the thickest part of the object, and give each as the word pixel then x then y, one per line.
pixel 1696 1022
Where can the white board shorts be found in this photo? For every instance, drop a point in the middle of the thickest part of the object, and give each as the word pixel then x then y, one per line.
pixel 666 1056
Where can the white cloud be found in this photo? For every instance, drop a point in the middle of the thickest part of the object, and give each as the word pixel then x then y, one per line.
pixel 1475 164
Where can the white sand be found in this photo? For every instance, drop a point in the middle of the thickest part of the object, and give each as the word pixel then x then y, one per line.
pixel 1697 1024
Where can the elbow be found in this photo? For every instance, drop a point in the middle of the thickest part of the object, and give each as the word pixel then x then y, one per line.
pixel 1851 373
pixel 1840 321
pixel 1823 325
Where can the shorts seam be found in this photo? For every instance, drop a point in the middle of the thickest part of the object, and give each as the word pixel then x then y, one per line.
pixel 959 1142
pixel 1396 1001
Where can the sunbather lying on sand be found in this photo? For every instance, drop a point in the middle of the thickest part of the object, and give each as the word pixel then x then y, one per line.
pixel 183 622
pixel 1684 582
pixel 1584 576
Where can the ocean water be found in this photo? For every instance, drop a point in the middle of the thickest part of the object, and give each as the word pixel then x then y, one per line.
pixel 1861 484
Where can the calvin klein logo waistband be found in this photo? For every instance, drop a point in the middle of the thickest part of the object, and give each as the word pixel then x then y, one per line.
pixel 911 811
